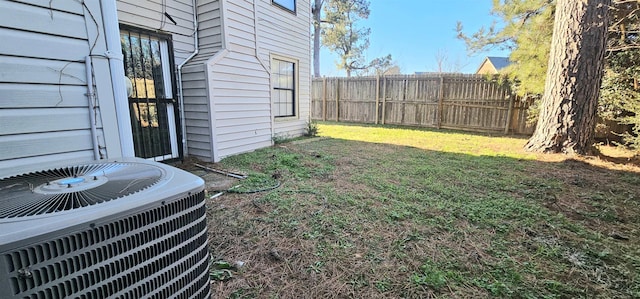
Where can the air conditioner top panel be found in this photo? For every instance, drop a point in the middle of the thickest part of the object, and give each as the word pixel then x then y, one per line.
pixel 35 202
pixel 73 187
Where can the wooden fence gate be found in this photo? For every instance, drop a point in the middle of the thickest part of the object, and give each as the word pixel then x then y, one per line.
pixel 451 101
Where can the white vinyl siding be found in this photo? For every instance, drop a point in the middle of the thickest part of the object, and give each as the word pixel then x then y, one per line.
pixel 239 80
pixel 241 31
pixel 210 36
pixel 43 83
pixel 284 34
pixel 241 104
pixel 195 85
pixel 228 105
pixel 149 14
pixel 196 111
pixel 238 86
pixel 227 88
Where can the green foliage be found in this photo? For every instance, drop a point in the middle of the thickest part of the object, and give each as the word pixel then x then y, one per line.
pixel 531 55
pixel 527 33
pixel 620 93
pixel 383 286
pixel 380 66
pixel 221 271
pixel 342 35
pixel 279 139
pixel 431 276
pixel 311 130
pixel 621 86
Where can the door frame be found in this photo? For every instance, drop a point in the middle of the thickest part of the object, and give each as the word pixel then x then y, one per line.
pixel 173 105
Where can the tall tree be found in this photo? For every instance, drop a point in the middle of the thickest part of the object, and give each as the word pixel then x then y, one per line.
pixel 572 87
pixel 343 36
pixel 334 26
pixel 381 66
pixel 527 30
pixel 316 11
pixel 445 65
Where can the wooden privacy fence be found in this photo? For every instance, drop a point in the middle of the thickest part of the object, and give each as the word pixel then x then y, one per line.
pixel 452 101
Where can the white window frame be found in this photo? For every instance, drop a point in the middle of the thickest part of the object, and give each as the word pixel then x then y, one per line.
pixel 296 88
pixel 288 5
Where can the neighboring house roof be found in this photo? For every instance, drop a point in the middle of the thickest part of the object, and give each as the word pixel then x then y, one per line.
pixel 491 65
pixel 395 70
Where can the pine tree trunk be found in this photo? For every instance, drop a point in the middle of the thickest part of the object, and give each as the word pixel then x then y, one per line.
pixel 567 119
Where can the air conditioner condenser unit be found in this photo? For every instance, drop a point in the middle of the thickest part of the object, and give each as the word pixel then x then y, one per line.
pixel 110 229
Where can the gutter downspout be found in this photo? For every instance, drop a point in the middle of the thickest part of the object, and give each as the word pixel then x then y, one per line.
pixel 116 66
pixel 92 117
pixel 183 125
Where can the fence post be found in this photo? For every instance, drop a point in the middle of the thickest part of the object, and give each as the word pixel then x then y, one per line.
pixel 440 100
pixel 509 113
pixel 384 98
pixel 337 99
pixel 324 98
pixel 377 98
pixel 403 107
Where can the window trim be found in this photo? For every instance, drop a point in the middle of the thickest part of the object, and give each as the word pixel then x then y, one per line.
pixel 296 88
pixel 282 6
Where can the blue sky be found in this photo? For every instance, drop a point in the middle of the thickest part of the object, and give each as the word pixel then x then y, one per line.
pixel 415 31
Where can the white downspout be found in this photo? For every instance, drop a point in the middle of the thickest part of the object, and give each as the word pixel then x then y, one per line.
pixel 116 65
pixel 92 117
pixel 183 125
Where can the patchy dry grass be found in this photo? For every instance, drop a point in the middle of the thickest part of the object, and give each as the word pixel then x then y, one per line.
pixel 380 212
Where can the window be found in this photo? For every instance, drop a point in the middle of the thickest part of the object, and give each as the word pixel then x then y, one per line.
pixel 286 4
pixel 284 87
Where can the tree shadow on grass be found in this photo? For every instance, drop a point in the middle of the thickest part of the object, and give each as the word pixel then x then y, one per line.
pixel 624 160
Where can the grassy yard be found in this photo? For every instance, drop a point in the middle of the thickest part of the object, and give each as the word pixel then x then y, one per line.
pixel 381 212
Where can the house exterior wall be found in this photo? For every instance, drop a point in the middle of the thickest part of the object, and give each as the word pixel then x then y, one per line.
pixel 197 116
pixel 239 86
pixel 493 65
pixel 226 86
pixel 44 107
pixel 149 14
pixel 239 79
pixel 210 35
pixel 287 35
pixel 197 106
pixel 486 68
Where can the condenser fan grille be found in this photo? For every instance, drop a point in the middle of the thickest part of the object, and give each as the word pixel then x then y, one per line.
pixel 73 187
